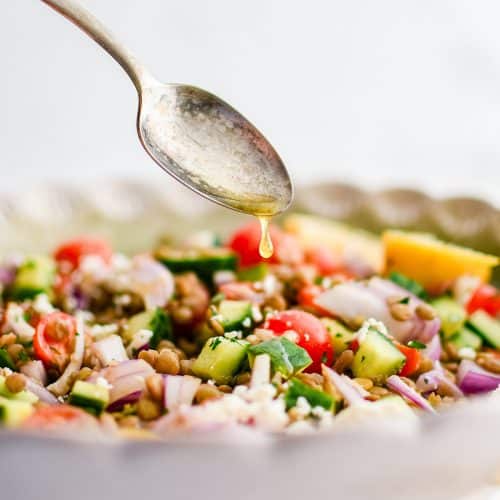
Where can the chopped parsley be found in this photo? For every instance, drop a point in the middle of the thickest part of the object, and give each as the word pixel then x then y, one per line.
pixel 405 300
pixel 215 343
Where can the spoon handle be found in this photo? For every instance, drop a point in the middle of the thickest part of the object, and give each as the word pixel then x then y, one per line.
pixel 73 11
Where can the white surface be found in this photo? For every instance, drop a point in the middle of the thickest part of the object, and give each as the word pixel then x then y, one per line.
pixel 387 92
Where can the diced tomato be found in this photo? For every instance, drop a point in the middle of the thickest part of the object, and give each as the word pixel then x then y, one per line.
pixel 54 416
pixel 487 298
pixel 306 297
pixel 73 251
pixel 54 339
pixel 413 359
pixel 313 335
pixel 245 242
pixel 354 345
pixel 324 260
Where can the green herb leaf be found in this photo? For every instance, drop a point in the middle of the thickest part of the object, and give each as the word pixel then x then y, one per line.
pixel 297 389
pixel 286 357
pixel 215 342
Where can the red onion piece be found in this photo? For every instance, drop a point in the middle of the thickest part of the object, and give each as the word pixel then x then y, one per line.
pixel 396 384
pixel 125 387
pixel 179 390
pixel 172 391
pixel 351 300
pixel 351 394
pixel 472 379
pixel 36 370
pixel 128 399
pixel 151 280
pixel 433 349
pixel 137 367
pixel 38 390
pixel 435 379
pixel 362 392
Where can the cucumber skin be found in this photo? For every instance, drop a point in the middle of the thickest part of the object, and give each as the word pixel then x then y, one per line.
pixel 204 266
pixel 81 395
pixel 481 323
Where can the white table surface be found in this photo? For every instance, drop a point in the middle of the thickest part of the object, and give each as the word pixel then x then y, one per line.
pixel 388 92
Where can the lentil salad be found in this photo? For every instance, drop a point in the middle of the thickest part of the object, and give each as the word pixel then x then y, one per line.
pixel 200 335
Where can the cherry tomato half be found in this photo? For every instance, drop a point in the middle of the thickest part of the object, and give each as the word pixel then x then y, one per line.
pixel 74 250
pixel 54 339
pixel 306 297
pixel 487 298
pixel 245 242
pixel 313 335
pixel 413 359
pixel 54 416
pixel 324 260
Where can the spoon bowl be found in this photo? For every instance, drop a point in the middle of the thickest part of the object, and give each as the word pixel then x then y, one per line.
pixel 211 148
pixel 196 137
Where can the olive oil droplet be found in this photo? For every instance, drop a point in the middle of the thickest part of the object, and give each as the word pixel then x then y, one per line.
pixel 266 244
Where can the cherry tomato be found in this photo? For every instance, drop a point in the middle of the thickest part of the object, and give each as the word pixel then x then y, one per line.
pixel 54 339
pixel 54 416
pixel 73 251
pixel 245 242
pixel 487 298
pixel 324 260
pixel 313 335
pixel 413 359
pixel 306 297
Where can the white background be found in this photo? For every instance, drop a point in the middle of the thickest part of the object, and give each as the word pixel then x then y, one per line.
pixel 383 92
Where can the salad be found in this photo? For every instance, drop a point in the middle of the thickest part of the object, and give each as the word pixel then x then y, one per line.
pixel 338 327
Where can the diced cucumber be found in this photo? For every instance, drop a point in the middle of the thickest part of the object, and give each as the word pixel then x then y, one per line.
pixel 466 338
pixel 297 389
pixel 204 262
pixel 487 327
pixel 26 396
pixel 6 360
pixel 91 397
pixel 254 273
pixel 34 276
pixel 451 314
pixel 13 412
pixel 220 359
pixel 235 314
pixel 340 336
pixel 286 357
pixel 377 357
pixel 156 320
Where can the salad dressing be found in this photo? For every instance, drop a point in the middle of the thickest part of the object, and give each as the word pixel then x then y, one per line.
pixel 266 245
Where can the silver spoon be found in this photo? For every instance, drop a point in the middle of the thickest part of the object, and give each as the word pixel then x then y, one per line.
pixel 195 136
